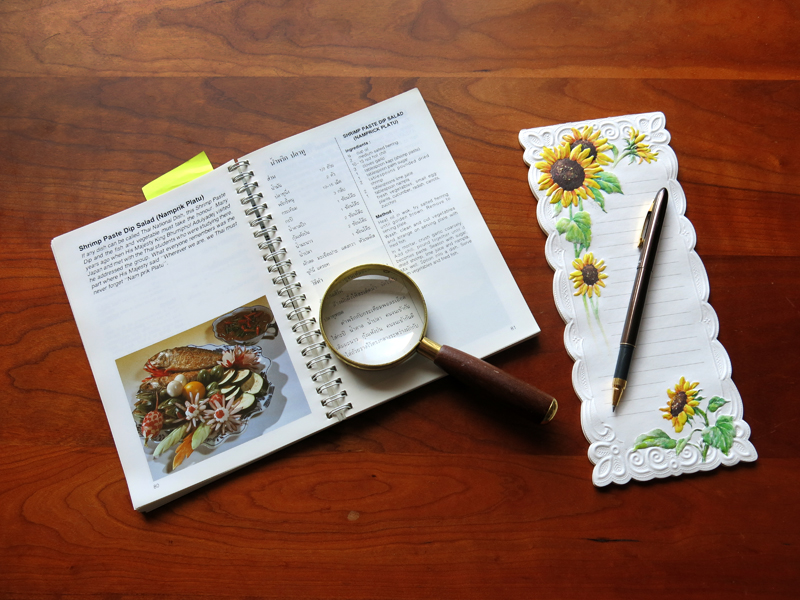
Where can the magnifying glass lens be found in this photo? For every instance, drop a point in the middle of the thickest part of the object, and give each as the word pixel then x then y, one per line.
pixel 373 318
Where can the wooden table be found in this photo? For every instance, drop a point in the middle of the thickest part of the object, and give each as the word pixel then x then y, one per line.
pixel 432 495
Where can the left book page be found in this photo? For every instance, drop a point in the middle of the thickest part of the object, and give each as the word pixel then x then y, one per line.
pixel 176 284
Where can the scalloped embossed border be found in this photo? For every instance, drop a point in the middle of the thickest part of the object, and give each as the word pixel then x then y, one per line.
pixel 614 463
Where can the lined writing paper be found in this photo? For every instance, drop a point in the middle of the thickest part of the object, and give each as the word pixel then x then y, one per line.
pixel 681 411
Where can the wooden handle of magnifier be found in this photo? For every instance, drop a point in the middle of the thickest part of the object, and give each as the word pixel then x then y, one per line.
pixel 495 383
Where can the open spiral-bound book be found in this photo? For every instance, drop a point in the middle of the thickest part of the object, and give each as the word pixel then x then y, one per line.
pixel 594 182
pixel 199 309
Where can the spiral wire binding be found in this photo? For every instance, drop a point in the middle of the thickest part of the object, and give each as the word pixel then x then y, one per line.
pixel 304 326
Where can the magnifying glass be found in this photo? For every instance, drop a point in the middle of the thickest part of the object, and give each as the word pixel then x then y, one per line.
pixel 374 317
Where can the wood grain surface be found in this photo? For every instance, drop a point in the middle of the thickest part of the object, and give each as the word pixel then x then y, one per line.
pixel 433 495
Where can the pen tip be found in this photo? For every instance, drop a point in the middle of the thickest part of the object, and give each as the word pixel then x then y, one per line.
pixel 618 386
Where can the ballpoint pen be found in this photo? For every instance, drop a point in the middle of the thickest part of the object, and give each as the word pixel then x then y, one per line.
pixel 648 242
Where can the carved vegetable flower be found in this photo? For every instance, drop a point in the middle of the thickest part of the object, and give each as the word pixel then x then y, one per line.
pixel 568 174
pixel 681 403
pixel 194 410
pixel 588 138
pixel 152 424
pixel 222 416
pixel 588 279
pixel 636 148
pixel 240 357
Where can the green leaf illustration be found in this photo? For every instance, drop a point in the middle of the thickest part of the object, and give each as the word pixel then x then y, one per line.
pixel 700 412
pixel 583 219
pixel 656 438
pixel 599 198
pixel 562 225
pixel 576 235
pixel 614 151
pixel 579 230
pixel 681 445
pixel 721 434
pixel 608 182
pixel 716 403
pixel 557 208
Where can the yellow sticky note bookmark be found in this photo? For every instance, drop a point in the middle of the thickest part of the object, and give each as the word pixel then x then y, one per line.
pixel 191 169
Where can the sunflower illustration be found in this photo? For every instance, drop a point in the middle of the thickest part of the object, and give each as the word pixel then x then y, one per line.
pixel 681 403
pixel 588 138
pixel 588 279
pixel 636 148
pixel 568 175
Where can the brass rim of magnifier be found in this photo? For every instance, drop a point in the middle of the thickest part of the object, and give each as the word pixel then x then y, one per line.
pixel 373 269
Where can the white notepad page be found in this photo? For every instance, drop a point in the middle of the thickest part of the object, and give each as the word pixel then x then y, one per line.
pixel 681 411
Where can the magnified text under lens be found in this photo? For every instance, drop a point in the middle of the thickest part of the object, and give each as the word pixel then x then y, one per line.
pixel 373 319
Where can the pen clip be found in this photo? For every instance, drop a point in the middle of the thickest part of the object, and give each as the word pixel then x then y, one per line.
pixel 648 217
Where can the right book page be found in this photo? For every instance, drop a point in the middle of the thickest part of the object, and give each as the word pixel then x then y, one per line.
pixel 681 412
pixel 380 186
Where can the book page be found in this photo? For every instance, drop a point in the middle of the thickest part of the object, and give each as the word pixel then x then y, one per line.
pixel 380 186
pixel 681 411
pixel 151 289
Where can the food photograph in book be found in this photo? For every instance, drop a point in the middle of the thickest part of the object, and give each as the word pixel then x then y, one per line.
pixel 211 388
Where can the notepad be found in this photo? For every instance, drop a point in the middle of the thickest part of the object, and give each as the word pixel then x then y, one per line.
pixel 594 182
